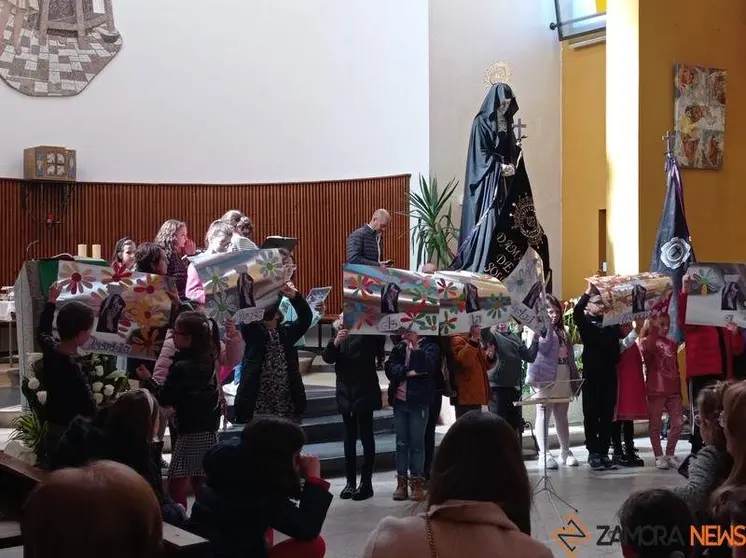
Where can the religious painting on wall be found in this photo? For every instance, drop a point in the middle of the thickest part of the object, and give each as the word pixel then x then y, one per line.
pixel 625 298
pixel 699 114
pixel 468 299
pixel 242 285
pixel 133 310
pixel 48 49
pixel 717 294
pixel 380 300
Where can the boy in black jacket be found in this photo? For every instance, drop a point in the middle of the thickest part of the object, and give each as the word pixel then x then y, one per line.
pixel 600 358
pixel 68 391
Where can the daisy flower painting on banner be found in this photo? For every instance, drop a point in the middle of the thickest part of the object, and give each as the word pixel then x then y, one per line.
pixel 132 310
pixel 240 285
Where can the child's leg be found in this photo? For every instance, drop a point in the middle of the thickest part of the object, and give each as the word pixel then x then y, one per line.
pixel 562 425
pixel 401 428
pixel 197 484
pixel 541 418
pixel 177 488
pixel 616 436
pixel 655 408
pixel 417 425
pixel 675 410
pixel 299 549
pixel 629 434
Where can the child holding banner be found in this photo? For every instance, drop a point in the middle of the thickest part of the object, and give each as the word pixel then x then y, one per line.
pixel 554 373
pixel 709 354
pixel 663 387
pixel 600 359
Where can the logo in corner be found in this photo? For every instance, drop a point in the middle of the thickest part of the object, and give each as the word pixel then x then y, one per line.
pixel 572 535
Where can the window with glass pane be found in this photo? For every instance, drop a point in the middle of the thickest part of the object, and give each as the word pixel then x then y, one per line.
pixel 579 17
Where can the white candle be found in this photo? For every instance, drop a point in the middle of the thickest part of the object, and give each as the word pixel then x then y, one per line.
pixel 82 250
pixel 96 251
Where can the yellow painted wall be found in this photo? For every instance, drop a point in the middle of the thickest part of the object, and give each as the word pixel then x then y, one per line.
pixel 583 162
pixel 678 30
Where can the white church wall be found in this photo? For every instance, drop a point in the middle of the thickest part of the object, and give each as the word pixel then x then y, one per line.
pixel 239 91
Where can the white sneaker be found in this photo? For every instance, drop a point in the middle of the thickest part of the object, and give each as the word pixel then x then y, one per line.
pixel 661 462
pixel 568 459
pixel 673 461
pixel 551 463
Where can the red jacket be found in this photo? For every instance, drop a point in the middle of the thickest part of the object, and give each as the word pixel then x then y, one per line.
pixel 705 354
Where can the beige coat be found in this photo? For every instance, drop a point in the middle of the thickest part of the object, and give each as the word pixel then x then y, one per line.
pixel 461 529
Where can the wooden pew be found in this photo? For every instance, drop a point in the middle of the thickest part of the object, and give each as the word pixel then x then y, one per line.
pixel 17 480
pixel 10 534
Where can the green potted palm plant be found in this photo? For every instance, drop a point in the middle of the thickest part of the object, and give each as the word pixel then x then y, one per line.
pixel 433 233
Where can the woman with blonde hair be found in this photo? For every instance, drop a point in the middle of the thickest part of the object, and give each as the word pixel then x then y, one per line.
pixel 174 238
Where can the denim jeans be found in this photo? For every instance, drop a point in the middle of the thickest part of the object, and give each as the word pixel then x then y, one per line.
pixel 410 422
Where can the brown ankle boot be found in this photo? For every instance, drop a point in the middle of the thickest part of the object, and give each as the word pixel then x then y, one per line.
pixel 401 493
pixel 417 489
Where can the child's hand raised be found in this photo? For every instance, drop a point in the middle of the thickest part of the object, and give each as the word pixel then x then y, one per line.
pixel 341 336
pixel 143 374
pixel 288 290
pixel 55 289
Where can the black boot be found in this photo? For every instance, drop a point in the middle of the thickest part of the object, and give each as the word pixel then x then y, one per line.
pixel 633 459
pixel 348 491
pixel 365 490
pixel 619 457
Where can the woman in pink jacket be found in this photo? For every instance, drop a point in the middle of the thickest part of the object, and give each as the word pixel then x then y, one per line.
pixel 478 504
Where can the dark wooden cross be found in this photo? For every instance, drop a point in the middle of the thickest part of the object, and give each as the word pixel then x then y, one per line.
pixel 518 128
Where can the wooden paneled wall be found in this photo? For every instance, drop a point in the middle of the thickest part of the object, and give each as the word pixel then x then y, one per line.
pixel 319 214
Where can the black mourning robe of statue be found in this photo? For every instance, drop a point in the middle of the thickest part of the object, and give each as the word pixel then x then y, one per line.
pixel 492 144
pixel 498 220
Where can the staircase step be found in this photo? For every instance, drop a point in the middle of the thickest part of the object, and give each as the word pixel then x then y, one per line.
pixel 331 428
pixel 332 454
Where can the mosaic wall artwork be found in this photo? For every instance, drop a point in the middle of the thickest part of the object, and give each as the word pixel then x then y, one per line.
pixel 54 48
pixel 699 104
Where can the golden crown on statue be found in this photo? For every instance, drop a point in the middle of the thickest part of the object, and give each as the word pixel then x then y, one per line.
pixel 499 72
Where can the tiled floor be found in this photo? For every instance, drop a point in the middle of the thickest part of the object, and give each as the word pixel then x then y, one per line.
pixel 597 495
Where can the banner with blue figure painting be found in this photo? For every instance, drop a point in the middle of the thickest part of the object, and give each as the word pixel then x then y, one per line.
pixel 526 286
pixel 716 294
pixel 242 285
pixel 467 299
pixel 133 310
pixel 380 300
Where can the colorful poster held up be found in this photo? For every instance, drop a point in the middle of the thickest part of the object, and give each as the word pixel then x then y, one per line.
pixel 386 301
pixel 468 299
pixel 526 287
pixel 133 310
pixel 241 285
pixel 626 298
pixel 716 294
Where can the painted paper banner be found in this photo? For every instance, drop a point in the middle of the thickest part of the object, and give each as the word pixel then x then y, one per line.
pixel 379 300
pixel 626 298
pixel 468 299
pixel 526 286
pixel 241 285
pixel 716 294
pixel 133 310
